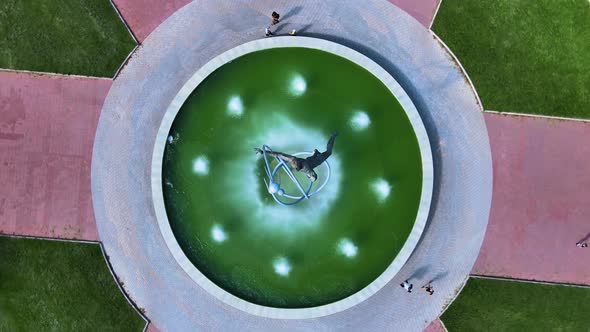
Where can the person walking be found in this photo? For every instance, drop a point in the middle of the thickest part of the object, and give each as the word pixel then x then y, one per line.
pixel 582 244
pixel 407 286
pixel 267 32
pixel 275 18
pixel 428 288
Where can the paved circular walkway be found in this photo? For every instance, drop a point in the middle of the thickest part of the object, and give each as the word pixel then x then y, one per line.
pixel 201 30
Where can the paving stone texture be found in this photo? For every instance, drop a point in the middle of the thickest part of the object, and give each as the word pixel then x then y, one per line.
pixel 192 36
pixel 541 200
pixel 47 127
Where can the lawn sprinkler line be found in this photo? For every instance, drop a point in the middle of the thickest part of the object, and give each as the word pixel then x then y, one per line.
pixel 549 283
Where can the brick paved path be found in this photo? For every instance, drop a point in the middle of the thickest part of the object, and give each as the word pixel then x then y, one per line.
pixel 47 126
pixel 421 10
pixel 143 16
pixel 541 200
pixel 435 326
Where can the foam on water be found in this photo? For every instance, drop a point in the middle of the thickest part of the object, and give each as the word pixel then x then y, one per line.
pixel 360 121
pixel 286 136
pixel 281 266
pixel 201 165
pixel 298 85
pixel 347 248
pixel 218 234
pixel 235 107
pixel 381 188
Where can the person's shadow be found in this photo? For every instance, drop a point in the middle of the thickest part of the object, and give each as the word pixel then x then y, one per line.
pixel 419 272
pixel 299 31
pixel 292 12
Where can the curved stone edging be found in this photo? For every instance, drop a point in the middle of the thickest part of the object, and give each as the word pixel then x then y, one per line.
pixel 326 46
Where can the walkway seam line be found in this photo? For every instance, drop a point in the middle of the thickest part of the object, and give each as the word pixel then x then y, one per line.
pixel 124 63
pixel 53 74
pixel 124 22
pixel 18 236
pixel 538 116
pixel 550 283
pixel 104 256
pixel 133 305
pixel 455 296
pixel 434 16
pixel 456 60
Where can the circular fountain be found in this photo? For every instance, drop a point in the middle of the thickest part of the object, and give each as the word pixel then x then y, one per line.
pixel 222 212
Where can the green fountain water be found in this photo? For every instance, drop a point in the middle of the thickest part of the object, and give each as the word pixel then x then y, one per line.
pixel 323 249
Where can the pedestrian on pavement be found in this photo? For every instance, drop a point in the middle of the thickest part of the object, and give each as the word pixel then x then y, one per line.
pixel 428 288
pixel 407 286
pixel 275 18
pixel 293 32
pixel 582 244
pixel 267 32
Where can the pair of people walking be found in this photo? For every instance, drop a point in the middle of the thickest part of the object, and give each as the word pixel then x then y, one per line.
pixel 408 287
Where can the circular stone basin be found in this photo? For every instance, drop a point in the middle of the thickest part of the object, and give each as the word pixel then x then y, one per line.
pixel 330 251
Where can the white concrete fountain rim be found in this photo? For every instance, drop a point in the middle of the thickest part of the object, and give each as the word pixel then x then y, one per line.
pixel 425 199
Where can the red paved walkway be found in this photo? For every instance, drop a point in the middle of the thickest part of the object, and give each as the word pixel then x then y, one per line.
pixel 435 326
pixel 541 200
pixel 143 16
pixel 153 328
pixel 47 126
pixel 421 10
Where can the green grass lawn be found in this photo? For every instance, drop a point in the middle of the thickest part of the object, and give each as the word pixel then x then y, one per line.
pixel 525 56
pixel 60 286
pixel 84 37
pixel 498 305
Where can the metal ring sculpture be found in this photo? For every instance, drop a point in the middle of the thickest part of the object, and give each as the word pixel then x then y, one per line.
pixel 274 188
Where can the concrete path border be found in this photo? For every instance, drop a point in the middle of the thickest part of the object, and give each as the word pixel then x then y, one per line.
pixel 201 30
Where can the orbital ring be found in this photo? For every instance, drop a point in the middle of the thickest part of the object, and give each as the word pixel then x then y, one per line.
pixel 274 188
